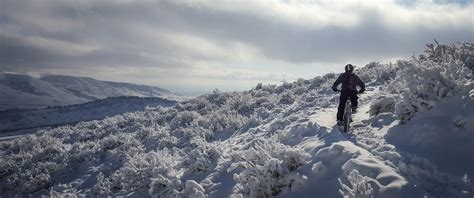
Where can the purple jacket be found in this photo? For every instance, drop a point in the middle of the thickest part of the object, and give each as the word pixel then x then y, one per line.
pixel 349 82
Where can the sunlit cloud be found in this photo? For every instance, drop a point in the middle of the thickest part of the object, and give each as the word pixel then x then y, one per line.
pixel 225 44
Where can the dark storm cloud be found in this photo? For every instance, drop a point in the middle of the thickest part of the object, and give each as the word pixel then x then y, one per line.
pixel 185 34
pixel 38 34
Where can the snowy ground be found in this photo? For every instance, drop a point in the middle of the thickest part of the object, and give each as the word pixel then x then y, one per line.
pixel 398 171
pixel 412 137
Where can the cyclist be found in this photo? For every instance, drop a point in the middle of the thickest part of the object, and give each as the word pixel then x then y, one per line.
pixel 349 82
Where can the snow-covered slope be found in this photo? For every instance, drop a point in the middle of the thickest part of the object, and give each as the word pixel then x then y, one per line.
pixel 14 120
pixel 444 134
pixel 144 90
pixel 269 141
pixel 21 91
pixel 93 89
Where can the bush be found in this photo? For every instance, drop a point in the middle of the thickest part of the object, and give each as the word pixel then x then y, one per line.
pixel 267 168
pixel 420 83
pixel 381 105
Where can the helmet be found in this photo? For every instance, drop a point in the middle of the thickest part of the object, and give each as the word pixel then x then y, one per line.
pixel 349 68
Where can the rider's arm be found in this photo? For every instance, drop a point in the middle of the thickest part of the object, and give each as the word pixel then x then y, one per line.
pixel 361 85
pixel 338 81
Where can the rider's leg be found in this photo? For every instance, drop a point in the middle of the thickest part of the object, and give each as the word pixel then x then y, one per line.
pixel 354 100
pixel 342 104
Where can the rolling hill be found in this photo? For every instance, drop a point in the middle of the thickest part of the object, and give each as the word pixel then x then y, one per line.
pixel 21 91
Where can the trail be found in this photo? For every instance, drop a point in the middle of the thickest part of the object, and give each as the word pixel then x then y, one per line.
pixel 367 135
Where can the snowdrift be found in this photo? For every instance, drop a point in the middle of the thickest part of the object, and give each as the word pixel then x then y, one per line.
pixel 268 141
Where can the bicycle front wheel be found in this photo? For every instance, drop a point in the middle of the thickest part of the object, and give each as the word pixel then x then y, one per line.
pixel 347 120
pixel 347 124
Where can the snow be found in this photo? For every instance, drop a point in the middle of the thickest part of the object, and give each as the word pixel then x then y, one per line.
pixel 93 89
pixel 21 91
pixel 410 138
pixel 443 135
pixel 15 120
pixel 24 91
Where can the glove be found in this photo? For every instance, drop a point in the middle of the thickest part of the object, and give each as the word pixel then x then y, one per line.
pixel 361 91
pixel 334 89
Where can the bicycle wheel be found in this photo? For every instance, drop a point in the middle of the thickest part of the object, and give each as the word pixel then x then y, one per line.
pixel 347 116
pixel 347 125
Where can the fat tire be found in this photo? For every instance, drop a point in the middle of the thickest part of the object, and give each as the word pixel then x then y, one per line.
pixel 347 116
pixel 347 123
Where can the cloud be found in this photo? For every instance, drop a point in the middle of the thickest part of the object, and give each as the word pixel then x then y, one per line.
pixel 219 41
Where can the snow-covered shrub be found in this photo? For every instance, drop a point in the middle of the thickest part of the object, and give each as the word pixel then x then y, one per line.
pixel 381 105
pixel 463 52
pixel 262 113
pixel 241 103
pixel 84 153
pixel 163 116
pixel 184 119
pixel 63 190
pixel 141 170
pixel 271 89
pixel 420 83
pixel 324 84
pixel 199 104
pixel 186 134
pixel 253 121
pixel 193 190
pixel 287 85
pixel 300 90
pixel 157 138
pixel 202 158
pixel 245 110
pixel 318 81
pixel 259 93
pixel 217 97
pixel 223 120
pixel 267 168
pixel 376 73
pixel 33 164
pixel 263 102
pixel 118 147
pixel 287 98
pixel 359 186
pixel 163 187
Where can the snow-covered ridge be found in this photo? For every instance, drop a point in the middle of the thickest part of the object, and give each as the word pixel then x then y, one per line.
pixel 23 91
pixel 269 141
pixel 86 87
pixel 14 120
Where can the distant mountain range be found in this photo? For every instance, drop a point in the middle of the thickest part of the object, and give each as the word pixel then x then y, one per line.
pixel 21 91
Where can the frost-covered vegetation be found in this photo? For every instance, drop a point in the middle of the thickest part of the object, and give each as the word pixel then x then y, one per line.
pixel 240 144
pixel 163 150
pixel 419 83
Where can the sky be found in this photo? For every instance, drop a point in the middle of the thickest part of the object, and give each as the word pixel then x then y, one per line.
pixel 194 47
